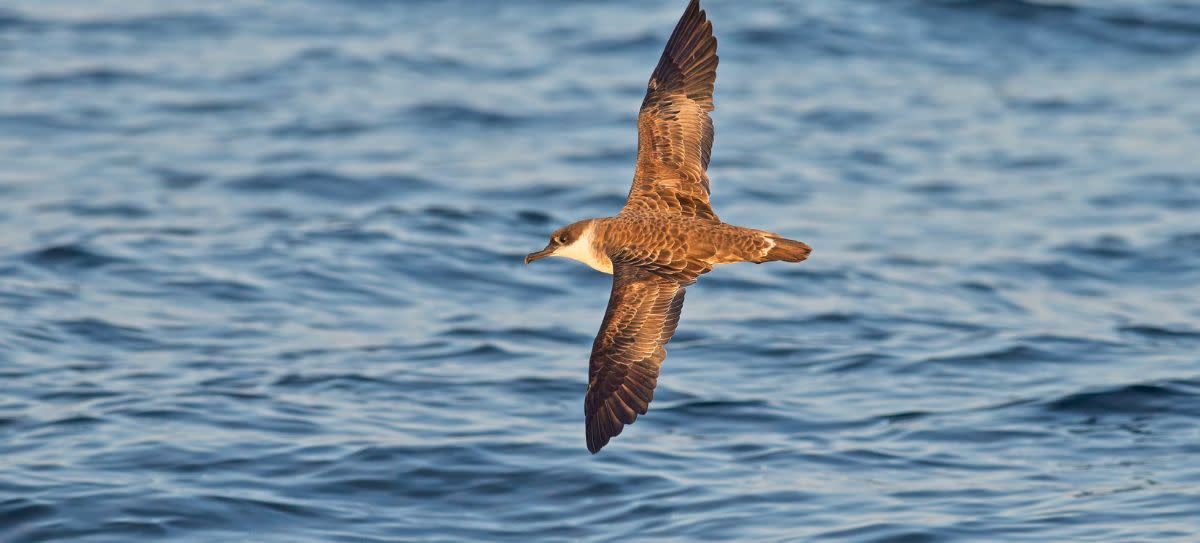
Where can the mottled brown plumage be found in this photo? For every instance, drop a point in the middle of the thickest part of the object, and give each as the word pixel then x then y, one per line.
pixel 643 311
pixel 675 133
pixel 664 238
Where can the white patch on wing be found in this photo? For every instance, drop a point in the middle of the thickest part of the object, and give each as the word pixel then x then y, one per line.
pixel 581 250
pixel 769 247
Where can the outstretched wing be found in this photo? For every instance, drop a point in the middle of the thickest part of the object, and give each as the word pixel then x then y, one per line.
pixel 642 314
pixel 675 133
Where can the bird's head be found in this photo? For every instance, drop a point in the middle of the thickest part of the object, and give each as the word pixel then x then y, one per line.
pixel 562 241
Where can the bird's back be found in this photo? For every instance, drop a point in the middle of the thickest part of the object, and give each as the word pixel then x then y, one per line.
pixel 651 238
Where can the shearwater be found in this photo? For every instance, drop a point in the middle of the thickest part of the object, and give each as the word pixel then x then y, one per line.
pixel 664 238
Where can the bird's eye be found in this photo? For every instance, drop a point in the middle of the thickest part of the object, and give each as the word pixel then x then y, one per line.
pixel 562 238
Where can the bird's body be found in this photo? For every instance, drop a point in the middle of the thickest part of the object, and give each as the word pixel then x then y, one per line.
pixel 669 243
pixel 665 237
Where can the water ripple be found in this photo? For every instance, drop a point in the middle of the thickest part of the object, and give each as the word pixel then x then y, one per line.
pixel 263 273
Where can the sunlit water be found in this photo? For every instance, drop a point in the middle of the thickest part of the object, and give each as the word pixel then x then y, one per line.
pixel 261 280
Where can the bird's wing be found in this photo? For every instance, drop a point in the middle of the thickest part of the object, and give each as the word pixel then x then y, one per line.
pixel 675 133
pixel 642 314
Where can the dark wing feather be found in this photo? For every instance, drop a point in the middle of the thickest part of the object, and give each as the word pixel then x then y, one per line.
pixel 642 314
pixel 675 133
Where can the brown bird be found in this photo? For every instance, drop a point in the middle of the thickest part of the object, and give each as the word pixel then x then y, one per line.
pixel 664 238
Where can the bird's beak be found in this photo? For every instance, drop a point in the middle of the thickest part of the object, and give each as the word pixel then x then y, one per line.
pixel 537 255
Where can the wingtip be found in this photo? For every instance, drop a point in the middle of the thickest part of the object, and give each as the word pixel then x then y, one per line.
pixel 595 440
pixel 600 429
pixel 695 11
pixel 691 43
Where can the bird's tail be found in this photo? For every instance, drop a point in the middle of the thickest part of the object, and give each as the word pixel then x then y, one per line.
pixel 786 250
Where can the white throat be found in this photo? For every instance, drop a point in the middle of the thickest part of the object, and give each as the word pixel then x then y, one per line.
pixel 582 250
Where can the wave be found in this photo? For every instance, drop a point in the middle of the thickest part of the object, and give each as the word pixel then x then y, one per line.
pixel 91 76
pixel 556 334
pixel 210 106
pixel 1179 397
pixel 641 42
pixel 159 24
pixel 35 123
pixel 325 129
pixel 328 185
pixel 71 256
pixel 1165 29
pixel 11 20
pixel 450 113
pixel 103 332
pixel 1161 332
pixel 224 290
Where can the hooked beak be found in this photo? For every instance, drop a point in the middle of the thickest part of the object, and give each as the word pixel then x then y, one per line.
pixel 538 255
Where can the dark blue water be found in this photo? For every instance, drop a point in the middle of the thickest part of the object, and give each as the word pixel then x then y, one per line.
pixel 261 280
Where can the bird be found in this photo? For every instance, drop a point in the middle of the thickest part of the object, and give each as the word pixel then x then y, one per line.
pixel 664 238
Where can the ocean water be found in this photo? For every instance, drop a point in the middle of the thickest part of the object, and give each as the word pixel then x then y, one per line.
pixel 261 279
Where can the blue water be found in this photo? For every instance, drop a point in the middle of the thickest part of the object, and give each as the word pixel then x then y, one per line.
pixel 261 279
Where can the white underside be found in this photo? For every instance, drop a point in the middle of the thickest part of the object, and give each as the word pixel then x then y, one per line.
pixel 581 250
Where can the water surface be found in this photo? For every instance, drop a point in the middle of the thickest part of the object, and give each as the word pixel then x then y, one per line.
pixel 261 280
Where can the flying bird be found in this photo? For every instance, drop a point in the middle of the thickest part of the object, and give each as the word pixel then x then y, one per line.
pixel 665 237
